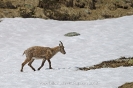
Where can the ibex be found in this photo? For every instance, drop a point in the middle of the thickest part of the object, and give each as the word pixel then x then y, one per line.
pixel 44 53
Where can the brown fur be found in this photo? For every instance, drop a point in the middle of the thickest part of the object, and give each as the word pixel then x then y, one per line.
pixel 39 52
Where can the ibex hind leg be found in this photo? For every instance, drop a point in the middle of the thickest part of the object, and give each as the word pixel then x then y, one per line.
pixel 23 64
pixel 30 62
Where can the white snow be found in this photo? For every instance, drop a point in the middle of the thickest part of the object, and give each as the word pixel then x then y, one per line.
pixel 99 41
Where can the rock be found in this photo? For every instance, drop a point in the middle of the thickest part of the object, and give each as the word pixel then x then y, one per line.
pixel 71 34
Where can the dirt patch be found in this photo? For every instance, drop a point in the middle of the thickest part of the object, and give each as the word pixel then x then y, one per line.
pixel 127 85
pixel 123 61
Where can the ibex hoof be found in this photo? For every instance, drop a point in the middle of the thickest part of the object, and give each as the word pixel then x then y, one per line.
pixel 50 68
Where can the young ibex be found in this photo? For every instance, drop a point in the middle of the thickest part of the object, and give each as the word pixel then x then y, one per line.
pixel 44 53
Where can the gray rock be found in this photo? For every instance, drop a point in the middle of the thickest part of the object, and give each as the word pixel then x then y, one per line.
pixel 71 34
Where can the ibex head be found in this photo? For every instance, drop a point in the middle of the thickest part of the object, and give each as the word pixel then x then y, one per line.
pixel 62 50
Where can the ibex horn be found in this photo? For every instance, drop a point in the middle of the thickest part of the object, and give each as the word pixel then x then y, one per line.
pixel 61 43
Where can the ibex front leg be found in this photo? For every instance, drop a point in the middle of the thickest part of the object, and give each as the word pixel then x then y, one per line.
pixel 42 64
pixel 49 64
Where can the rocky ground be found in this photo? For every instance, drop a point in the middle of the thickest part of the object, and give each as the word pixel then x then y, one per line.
pixel 127 85
pixel 123 61
pixel 66 9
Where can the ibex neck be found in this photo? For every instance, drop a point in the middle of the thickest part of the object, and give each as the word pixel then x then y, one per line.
pixel 55 50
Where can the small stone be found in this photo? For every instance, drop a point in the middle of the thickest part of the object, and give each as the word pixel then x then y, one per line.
pixel 71 34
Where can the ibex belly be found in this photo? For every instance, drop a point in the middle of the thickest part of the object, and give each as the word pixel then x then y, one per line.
pixel 37 58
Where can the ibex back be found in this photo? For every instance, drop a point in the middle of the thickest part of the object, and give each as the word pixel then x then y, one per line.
pixel 44 53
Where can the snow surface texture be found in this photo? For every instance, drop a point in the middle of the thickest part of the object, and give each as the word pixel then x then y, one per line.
pixel 99 41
